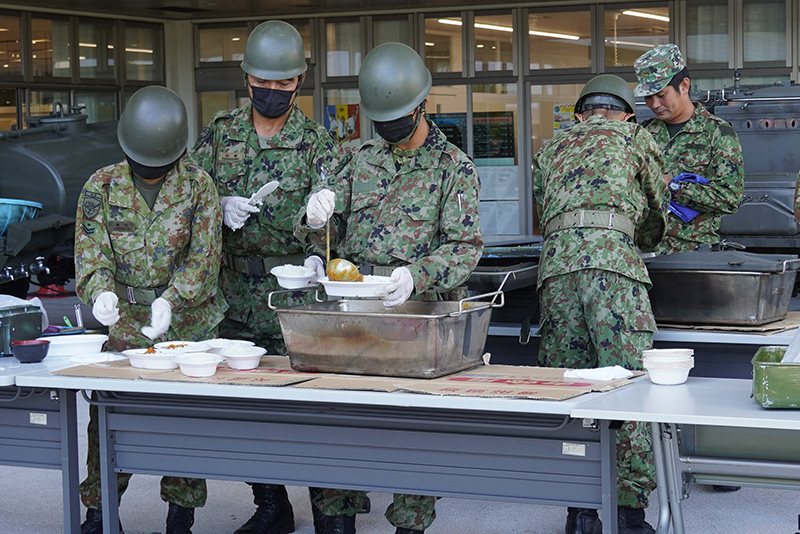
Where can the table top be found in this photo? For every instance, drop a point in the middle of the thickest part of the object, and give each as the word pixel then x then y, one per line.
pixel 42 377
pixel 10 368
pixel 699 401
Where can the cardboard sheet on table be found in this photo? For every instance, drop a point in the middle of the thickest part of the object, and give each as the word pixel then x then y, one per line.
pixel 514 382
pixel 791 321
pixel 356 383
pixel 117 369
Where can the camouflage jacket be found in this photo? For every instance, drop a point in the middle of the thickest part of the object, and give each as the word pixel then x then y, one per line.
pixel 607 165
pixel 228 149
pixel 708 146
pixel 416 208
pixel 176 244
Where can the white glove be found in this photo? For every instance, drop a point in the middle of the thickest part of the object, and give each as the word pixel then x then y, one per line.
pixel 105 308
pixel 314 263
pixel 399 288
pixel 159 321
pixel 235 211
pixel 320 208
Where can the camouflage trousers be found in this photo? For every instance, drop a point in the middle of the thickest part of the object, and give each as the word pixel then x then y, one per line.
pixel 414 512
pixel 595 318
pixel 187 492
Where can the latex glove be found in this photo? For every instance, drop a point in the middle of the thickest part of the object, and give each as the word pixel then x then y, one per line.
pixel 320 208
pixel 161 317
pixel 399 288
pixel 235 211
pixel 314 263
pixel 105 308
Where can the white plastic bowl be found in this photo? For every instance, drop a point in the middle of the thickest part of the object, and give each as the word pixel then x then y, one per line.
pixel 218 344
pixel 669 373
pixel 73 345
pixel 156 360
pixel 371 287
pixel 243 358
pixel 180 347
pixel 292 276
pixel 198 364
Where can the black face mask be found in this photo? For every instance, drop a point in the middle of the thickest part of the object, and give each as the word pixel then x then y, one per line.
pixel 400 130
pixel 150 173
pixel 271 103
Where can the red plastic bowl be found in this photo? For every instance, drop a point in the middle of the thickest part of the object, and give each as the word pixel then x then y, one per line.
pixel 30 350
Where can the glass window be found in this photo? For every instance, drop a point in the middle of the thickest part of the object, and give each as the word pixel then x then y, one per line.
pixel 306 104
pixel 443 48
pixel 494 151
pixel 99 106
pixel 50 47
pixel 447 107
pixel 96 49
pixel 552 109
pixel 629 33
pixel 560 40
pixel 707 33
pixel 210 102
pixel 342 118
pixel 344 48
pixel 8 108
pixel 217 44
pixel 764 37
pixel 144 50
pixel 40 103
pixel 304 29
pixel 390 31
pixel 494 36
pixel 10 48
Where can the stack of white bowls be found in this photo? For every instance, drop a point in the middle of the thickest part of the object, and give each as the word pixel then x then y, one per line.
pixel 668 366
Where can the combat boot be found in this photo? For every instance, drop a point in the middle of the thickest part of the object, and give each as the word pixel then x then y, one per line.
pixel 179 519
pixel 273 514
pixel 583 521
pixel 407 531
pixel 631 521
pixel 334 524
pixel 94 522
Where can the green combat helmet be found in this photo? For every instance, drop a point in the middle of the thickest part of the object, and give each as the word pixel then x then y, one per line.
pixel 153 130
pixel 393 81
pixel 608 91
pixel 274 51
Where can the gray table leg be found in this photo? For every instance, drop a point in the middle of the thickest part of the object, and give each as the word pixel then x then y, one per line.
pixel 662 488
pixel 108 478
pixel 608 448
pixel 69 461
pixel 669 438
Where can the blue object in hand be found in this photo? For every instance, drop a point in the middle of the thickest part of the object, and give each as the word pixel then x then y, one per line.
pixel 682 212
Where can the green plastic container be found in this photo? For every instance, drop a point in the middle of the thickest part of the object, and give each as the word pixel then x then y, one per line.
pixel 775 384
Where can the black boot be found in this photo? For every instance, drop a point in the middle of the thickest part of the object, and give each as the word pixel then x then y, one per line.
pixel 179 519
pixel 631 521
pixel 94 522
pixel 334 524
pixel 274 514
pixel 583 521
pixel 407 531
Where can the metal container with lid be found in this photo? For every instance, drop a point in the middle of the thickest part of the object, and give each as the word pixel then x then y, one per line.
pixel 415 340
pixel 726 287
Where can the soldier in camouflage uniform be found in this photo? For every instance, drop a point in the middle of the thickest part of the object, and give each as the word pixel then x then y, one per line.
pixel 269 139
pixel 406 205
pixel 600 191
pixel 147 255
pixel 692 141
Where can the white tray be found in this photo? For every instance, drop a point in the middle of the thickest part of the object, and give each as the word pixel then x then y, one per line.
pixel 371 287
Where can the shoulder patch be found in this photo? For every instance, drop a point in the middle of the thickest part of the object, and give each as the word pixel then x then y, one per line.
pixel 91 204
pixel 89 227
pixel 726 129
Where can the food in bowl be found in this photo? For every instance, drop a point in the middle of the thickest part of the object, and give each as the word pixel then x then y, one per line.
pixel 219 343
pixel 243 357
pixel 292 276
pixel 340 270
pixel 177 347
pixel 198 364
pixel 150 358
pixel 30 350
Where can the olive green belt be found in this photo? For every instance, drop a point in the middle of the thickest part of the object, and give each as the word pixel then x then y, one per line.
pixel 138 295
pixel 259 266
pixel 590 219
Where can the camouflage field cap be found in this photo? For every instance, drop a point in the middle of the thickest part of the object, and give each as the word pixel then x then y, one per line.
pixel 655 69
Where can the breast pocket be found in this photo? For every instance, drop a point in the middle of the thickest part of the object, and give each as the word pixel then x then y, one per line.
pixel 129 250
pixel 417 229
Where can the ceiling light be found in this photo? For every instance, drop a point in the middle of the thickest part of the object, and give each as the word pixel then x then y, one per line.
pixel 88 45
pixel 644 15
pixel 427 43
pixel 493 27
pixel 554 35
pixel 630 43
pixel 139 50
pixel 479 46
pixel 236 38
pixel 451 22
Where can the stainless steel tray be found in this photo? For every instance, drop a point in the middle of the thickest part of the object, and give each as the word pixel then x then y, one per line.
pixel 415 340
